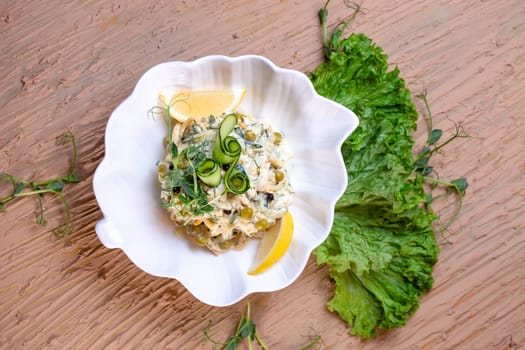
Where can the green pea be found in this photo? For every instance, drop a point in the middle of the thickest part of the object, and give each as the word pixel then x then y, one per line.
pixel 250 135
pixel 201 240
pixel 225 244
pixel 261 224
pixel 162 170
pixel 246 213
pixel 182 163
pixel 277 137
pixel 279 176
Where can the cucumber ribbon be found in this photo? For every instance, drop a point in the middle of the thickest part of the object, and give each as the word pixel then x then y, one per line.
pixel 227 151
pixel 209 172
pixel 236 180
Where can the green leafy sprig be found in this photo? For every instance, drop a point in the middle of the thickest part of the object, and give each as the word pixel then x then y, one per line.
pixel 434 135
pixel 331 41
pixel 183 179
pixel 421 163
pixel 55 186
pixel 246 329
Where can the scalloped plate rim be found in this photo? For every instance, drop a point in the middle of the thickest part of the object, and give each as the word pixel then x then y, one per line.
pixel 103 167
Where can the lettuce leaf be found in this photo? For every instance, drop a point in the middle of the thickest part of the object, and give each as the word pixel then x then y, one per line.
pixel 382 247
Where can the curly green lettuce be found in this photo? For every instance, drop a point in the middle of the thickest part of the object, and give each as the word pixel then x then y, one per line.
pixel 382 248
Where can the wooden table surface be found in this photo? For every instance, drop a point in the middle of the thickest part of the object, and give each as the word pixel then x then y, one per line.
pixel 65 65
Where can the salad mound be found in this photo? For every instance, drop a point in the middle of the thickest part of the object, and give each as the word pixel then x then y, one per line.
pixel 225 179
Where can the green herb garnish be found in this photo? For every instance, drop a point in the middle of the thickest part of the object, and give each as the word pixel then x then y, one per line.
pixel 55 186
pixel 245 330
pixel 185 180
pixel 421 164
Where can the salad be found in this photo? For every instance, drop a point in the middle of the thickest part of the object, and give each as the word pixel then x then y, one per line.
pixel 225 179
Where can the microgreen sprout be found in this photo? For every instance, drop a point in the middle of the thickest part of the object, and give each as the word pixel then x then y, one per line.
pixel 329 42
pixel 193 200
pixel 55 186
pixel 245 330
pixel 457 186
pixel 314 342
pixel 421 162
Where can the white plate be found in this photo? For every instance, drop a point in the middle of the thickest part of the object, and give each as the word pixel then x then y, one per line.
pixel 128 193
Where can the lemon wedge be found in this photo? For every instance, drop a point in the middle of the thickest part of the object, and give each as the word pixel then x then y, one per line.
pixel 274 244
pixel 195 104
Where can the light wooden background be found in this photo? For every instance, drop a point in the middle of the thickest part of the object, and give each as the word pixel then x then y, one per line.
pixel 68 64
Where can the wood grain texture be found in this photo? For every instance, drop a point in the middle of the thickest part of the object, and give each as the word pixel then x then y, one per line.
pixel 67 65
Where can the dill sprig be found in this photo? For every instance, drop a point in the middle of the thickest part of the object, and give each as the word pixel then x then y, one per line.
pixel 25 188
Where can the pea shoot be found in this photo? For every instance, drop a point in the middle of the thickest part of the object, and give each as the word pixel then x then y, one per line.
pixel 330 41
pixel 422 167
pixel 247 330
pixel 25 188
